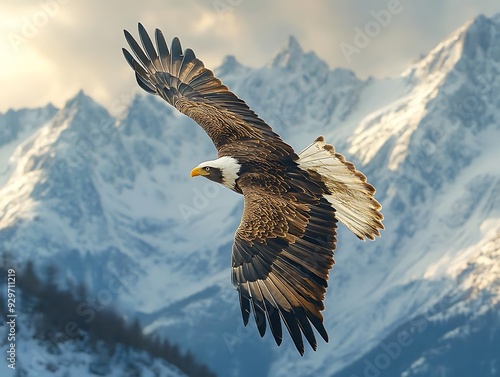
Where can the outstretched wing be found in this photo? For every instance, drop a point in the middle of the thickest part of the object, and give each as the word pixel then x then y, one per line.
pixel 183 81
pixel 282 254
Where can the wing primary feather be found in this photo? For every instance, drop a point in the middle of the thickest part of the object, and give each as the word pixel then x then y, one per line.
pixel 258 310
pixel 293 328
pixel 244 305
pixel 140 70
pixel 320 327
pixel 306 327
pixel 315 320
pixel 272 310
pixel 144 84
pixel 161 44
pixel 137 50
pixel 289 319
pixel 188 62
pixel 148 47
pixel 129 58
pixel 175 56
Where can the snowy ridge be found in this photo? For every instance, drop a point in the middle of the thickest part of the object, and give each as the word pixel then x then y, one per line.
pixel 113 196
pixel 15 128
pixel 398 120
pixel 75 359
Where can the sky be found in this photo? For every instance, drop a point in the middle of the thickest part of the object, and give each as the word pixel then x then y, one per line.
pixel 50 49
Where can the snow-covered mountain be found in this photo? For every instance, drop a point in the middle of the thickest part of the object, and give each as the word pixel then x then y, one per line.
pixel 76 359
pixel 15 127
pixel 111 198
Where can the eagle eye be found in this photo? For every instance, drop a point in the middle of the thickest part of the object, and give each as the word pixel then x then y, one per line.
pixel 207 168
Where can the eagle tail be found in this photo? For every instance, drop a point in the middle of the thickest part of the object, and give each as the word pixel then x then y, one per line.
pixel 349 192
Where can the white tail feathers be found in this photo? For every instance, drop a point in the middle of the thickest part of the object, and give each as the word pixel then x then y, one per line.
pixel 349 193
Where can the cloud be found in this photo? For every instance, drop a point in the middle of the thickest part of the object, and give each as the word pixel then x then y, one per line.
pixel 49 49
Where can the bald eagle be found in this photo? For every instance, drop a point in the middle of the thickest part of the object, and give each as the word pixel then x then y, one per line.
pixel 283 248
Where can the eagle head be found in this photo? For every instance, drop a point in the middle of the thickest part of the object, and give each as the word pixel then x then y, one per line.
pixel 224 170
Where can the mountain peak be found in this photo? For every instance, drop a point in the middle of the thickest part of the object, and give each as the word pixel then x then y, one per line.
pixel 81 99
pixel 441 58
pixel 293 44
pixel 81 113
pixel 292 58
pixel 290 52
pixel 229 66
pixel 482 33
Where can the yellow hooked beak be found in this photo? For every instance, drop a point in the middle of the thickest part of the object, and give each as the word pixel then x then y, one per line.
pixel 198 171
